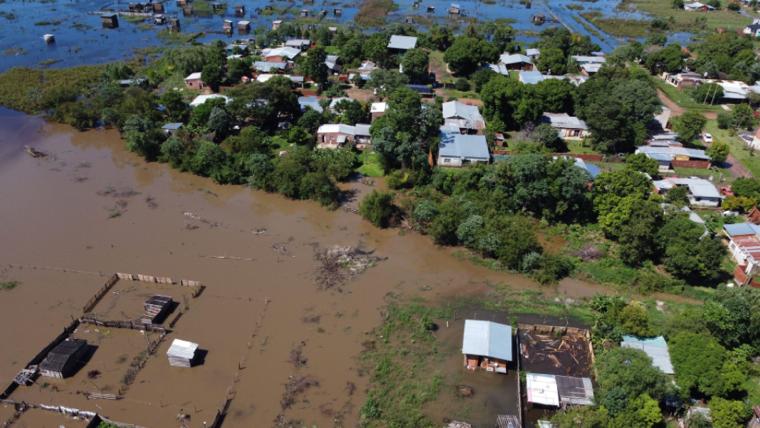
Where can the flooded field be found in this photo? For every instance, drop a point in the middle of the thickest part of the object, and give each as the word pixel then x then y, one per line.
pixel 80 38
pixel 90 209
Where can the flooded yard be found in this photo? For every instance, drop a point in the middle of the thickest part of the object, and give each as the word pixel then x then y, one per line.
pixel 255 252
pixel 80 38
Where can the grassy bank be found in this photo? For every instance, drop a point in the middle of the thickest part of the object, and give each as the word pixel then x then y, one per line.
pixel 689 21
pixel 618 26
pixel 682 98
pixel 29 90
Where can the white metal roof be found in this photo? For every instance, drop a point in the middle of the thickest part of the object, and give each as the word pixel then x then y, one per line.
pixel 542 389
pixel 486 338
pixel 362 129
pixel 200 99
pixel 470 114
pixel 336 128
pixel 284 51
pixel 378 107
pixel 402 42
pixel 563 121
pixel 182 349
pixel 194 76
pixel 698 187
pixel 508 59
pixel 656 348
pixel 589 59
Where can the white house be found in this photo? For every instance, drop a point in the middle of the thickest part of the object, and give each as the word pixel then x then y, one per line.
pixel 697 7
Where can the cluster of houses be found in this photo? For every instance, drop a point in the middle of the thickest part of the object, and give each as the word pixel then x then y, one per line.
pixel 733 90
pixel 490 346
pixel 524 65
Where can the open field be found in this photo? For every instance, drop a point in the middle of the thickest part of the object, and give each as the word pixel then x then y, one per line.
pixel 689 21
pixel 739 149
pixel 620 27
pixel 682 99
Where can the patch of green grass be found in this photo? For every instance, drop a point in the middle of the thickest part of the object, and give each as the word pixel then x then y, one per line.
pixel 719 175
pixel 689 21
pixel 403 359
pixel 10 16
pixel 533 302
pixel 8 285
pixel 682 98
pixel 438 66
pixel 585 24
pixel 370 166
pixel 620 27
pixel 580 147
pixel 46 23
pixel 176 37
pixel 750 159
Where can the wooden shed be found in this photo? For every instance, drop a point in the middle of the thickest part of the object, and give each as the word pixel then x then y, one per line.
pixel 244 27
pixel 158 8
pixel 156 309
pixel 240 11
pixel 227 26
pixel 64 360
pixel 109 20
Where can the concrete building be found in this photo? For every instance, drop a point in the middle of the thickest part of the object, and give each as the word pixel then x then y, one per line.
pixel 194 81
pixel 568 127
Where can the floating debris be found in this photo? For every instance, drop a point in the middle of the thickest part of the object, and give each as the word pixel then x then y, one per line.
pixel 31 151
pixel 338 264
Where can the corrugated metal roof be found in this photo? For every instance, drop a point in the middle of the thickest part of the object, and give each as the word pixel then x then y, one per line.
pixel 336 128
pixel 530 77
pixel 470 114
pixel 740 229
pixel 509 59
pixel 464 147
pixel 542 389
pixel 656 348
pixel 402 42
pixel 563 121
pixel 486 338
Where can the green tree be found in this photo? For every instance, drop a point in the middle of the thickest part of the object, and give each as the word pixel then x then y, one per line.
pixel 466 54
pixel 697 359
pixel 556 96
pixel 378 208
pixel 142 137
pixel 642 163
pixel 617 107
pixel 707 93
pixel 415 65
pixel 209 161
pixel 213 75
pixel 728 413
pixel 548 137
pixel 689 126
pixel 635 319
pixel 718 151
pixel 552 61
pixel 743 117
pixel 219 122
pixel 581 417
pixel 625 374
pixel 176 108
pixel 314 65
pixel 668 59
pixel 236 69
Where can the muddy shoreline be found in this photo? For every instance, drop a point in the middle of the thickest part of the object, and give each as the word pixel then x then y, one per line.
pixel 93 207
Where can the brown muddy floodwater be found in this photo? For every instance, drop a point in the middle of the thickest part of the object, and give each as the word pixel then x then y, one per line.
pixel 92 208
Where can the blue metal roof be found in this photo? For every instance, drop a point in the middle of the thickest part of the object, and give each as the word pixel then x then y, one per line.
pixel 739 229
pixel 464 146
pixel 486 338
pixel 656 348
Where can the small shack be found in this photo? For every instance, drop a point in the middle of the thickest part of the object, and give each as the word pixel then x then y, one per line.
pixel 48 38
pixel 227 26
pixel 487 345
pixel 159 19
pixel 158 8
pixel 244 27
pixel 276 24
pixel 64 359
pixel 182 353
pixel 109 20
pixel 240 11
pixel 156 308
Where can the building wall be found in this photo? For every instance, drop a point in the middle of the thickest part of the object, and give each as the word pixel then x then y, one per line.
pixel 690 164
pixel 196 84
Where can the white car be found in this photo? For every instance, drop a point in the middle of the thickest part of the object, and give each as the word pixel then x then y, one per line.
pixel 707 138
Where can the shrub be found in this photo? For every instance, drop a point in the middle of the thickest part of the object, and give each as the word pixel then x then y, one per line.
pixel 462 84
pixel 378 208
